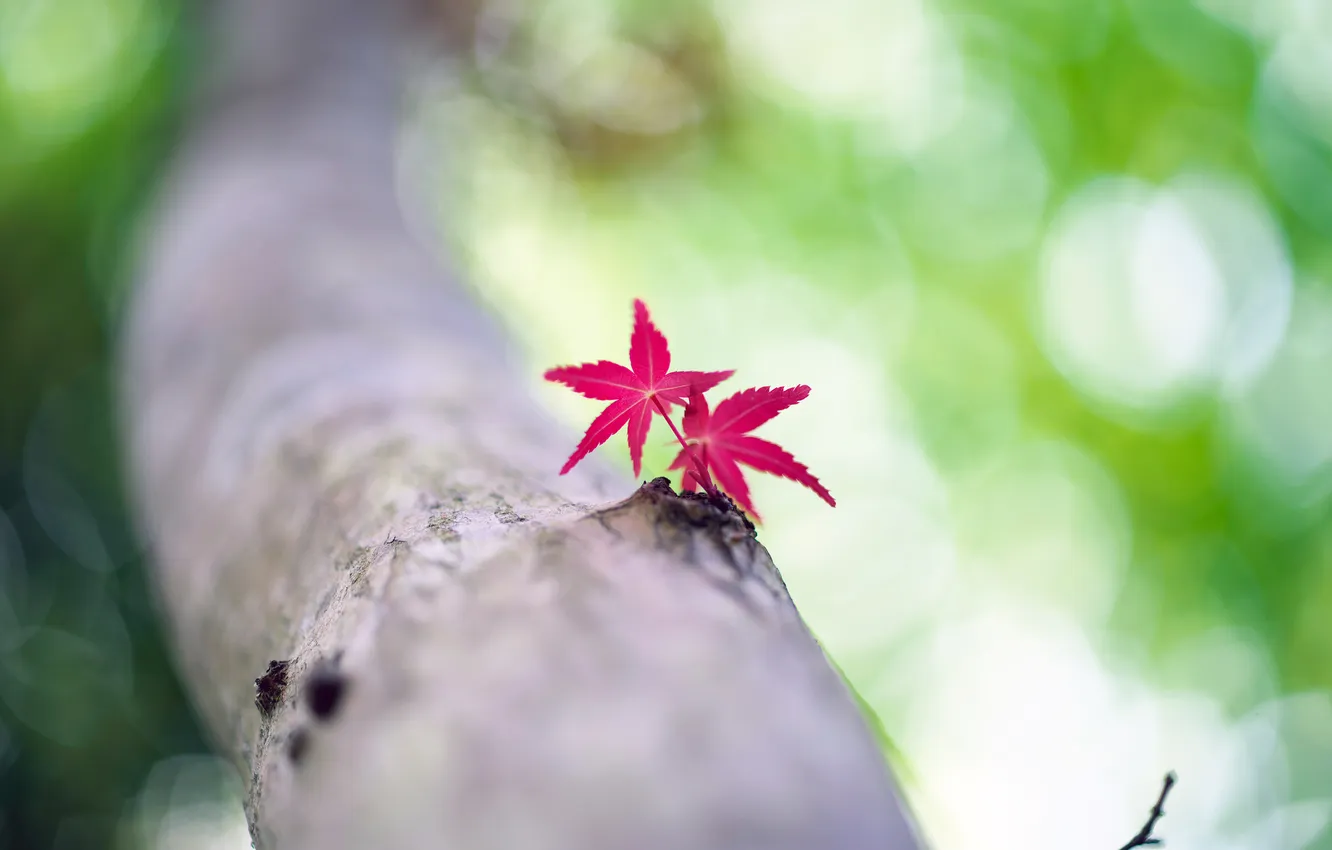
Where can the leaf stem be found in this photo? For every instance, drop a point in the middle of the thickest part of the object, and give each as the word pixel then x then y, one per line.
pixel 700 471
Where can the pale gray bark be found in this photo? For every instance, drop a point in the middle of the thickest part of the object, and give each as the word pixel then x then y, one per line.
pixel 335 464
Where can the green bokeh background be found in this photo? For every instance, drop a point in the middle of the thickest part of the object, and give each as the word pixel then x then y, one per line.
pixel 1058 273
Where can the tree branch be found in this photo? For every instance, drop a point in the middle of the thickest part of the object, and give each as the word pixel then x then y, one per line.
pixel 335 465
pixel 1144 837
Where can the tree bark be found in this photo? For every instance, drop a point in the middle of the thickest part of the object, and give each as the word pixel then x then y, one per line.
pixel 335 464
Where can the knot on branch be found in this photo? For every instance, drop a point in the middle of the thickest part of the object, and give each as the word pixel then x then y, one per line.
pixel 706 534
pixel 697 509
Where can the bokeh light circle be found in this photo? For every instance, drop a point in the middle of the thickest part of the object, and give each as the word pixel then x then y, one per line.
pixel 1149 296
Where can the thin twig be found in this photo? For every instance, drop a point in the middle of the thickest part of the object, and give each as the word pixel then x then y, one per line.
pixel 1144 837
pixel 701 466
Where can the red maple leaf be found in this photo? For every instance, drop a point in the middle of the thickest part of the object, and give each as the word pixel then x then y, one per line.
pixel 722 442
pixel 634 393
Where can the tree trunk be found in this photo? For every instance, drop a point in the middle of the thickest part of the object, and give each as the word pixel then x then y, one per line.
pixel 335 465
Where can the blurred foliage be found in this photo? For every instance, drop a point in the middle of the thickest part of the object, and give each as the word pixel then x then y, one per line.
pixel 1058 273
pixel 88 701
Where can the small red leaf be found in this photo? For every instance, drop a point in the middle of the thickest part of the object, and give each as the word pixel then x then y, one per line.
pixel 722 439
pixel 649 355
pixel 765 456
pixel 634 393
pixel 748 409
pixel 603 379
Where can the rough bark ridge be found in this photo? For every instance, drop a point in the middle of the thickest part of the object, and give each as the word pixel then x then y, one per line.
pixel 335 466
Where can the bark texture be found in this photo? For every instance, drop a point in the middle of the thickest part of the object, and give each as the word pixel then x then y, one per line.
pixel 336 465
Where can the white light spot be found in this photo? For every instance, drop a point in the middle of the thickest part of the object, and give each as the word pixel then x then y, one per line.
pixel 63 61
pixel 189 802
pixel 891 63
pixel 1174 293
pixel 1248 249
pixel 1149 296
pixel 1105 280
pixel 1285 416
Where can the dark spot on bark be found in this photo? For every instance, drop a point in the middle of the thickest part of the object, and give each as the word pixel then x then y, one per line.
pixel 359 563
pixel 723 503
pixel 269 688
pixel 298 745
pixel 720 503
pixel 358 558
pixel 324 690
pixel 504 512
pixel 442 526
